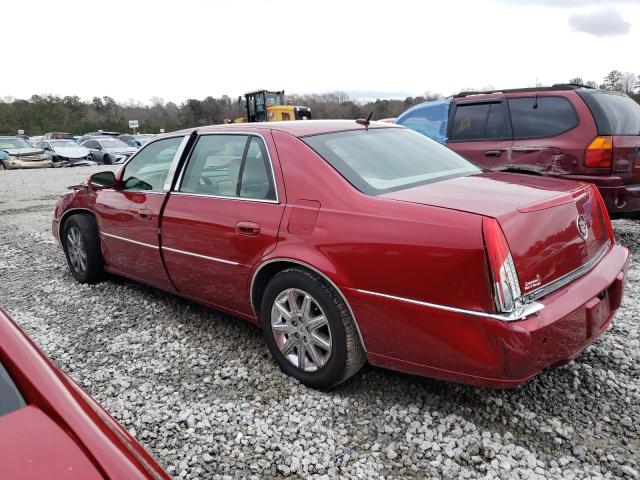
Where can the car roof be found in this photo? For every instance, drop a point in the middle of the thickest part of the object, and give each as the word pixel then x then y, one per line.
pixel 297 128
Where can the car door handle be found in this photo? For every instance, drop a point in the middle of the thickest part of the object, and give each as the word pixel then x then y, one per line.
pixel 493 153
pixel 145 214
pixel 248 228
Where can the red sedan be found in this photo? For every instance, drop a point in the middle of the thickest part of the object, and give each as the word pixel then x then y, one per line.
pixel 50 428
pixel 350 241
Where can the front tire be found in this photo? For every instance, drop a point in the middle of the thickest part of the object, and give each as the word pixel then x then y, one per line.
pixel 81 242
pixel 106 160
pixel 309 329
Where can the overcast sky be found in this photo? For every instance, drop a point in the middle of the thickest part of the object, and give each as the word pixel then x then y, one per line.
pixel 176 50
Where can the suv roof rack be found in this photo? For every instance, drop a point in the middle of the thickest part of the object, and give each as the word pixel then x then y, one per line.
pixel 554 87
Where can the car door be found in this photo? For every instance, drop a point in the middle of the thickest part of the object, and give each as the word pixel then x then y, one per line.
pixel 479 130
pixel 129 215
pixel 222 217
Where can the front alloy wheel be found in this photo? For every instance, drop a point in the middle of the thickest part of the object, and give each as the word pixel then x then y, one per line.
pixel 77 251
pixel 301 330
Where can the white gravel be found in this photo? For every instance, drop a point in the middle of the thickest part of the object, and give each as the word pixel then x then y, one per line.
pixel 200 391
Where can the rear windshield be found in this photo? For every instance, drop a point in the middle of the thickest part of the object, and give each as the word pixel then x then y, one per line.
pixel 615 113
pixel 382 160
pixel 10 398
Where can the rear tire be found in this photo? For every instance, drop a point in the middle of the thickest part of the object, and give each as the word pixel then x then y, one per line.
pixel 3 166
pixel 316 341
pixel 81 241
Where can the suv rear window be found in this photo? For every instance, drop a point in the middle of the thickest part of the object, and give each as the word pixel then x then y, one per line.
pixel 381 160
pixel 615 113
pixel 534 117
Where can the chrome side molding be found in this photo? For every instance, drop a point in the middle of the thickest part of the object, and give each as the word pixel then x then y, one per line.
pixel 519 313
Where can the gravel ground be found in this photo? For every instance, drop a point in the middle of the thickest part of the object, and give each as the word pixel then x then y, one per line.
pixel 199 390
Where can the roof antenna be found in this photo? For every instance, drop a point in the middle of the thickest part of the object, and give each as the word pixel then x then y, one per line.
pixel 535 104
pixel 366 122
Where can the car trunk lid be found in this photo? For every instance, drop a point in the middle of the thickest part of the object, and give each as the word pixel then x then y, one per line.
pixel 554 227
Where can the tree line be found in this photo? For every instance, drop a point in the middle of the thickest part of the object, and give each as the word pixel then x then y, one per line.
pixel 51 113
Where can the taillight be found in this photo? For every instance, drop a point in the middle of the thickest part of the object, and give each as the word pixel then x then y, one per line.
pixel 503 271
pixel 599 153
pixel 605 214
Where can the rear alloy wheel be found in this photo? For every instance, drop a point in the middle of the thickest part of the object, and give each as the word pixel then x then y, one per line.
pixel 301 330
pixel 309 329
pixel 82 248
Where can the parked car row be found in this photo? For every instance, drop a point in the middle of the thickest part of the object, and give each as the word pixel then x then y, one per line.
pixel 59 149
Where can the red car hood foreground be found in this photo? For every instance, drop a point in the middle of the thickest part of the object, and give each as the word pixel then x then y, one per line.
pixel 540 216
pixel 61 432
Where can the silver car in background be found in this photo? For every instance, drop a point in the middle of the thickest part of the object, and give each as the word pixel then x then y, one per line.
pixel 107 150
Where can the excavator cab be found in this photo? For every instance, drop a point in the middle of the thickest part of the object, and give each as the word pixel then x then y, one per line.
pixel 270 106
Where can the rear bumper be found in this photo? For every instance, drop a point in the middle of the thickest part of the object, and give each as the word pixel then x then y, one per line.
pixel 618 196
pixel 488 352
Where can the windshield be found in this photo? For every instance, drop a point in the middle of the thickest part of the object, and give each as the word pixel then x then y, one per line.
pixel 113 143
pixel 63 143
pixel 615 113
pixel 14 143
pixel 382 160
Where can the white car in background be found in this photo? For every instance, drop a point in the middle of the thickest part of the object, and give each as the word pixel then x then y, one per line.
pixel 67 153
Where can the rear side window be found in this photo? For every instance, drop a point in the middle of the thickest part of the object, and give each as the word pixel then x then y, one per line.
pixel 533 117
pixel 10 398
pixel 479 121
pixel 230 166
pixel 615 113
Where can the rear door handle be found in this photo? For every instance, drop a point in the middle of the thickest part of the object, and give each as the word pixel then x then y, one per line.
pixel 493 153
pixel 145 214
pixel 248 228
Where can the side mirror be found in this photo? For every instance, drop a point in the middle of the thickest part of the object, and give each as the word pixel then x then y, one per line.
pixel 103 180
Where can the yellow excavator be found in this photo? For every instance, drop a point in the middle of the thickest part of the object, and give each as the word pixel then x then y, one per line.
pixel 269 106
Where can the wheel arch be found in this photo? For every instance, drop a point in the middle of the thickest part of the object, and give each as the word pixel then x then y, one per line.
pixel 69 213
pixel 268 269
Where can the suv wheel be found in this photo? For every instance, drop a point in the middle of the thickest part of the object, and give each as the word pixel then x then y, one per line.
pixel 82 248
pixel 309 329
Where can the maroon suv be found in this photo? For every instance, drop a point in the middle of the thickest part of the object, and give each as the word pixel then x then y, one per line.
pixel 565 130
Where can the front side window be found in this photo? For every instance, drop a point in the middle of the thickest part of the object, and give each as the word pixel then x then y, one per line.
pixel 479 121
pixel 533 117
pixel 229 166
pixel 381 160
pixel 148 169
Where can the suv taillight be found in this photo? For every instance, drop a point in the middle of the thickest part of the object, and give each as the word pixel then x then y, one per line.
pixel 599 153
pixel 503 271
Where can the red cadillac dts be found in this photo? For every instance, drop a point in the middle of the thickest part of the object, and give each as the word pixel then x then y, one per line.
pixel 50 428
pixel 350 241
